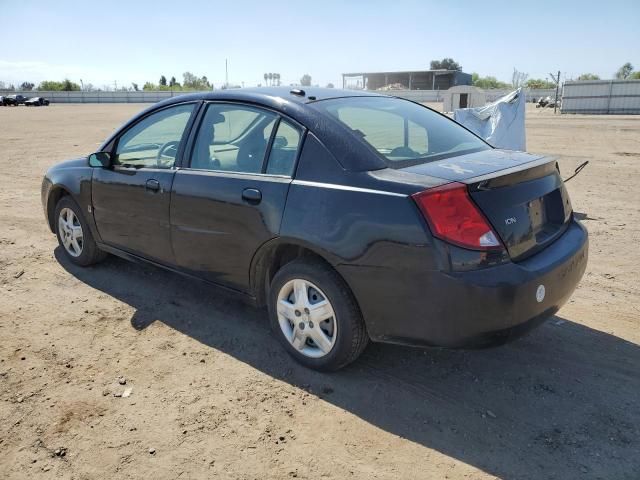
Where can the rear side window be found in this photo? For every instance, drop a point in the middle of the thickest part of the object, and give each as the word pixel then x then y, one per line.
pixel 233 138
pixel 284 149
pixel 401 132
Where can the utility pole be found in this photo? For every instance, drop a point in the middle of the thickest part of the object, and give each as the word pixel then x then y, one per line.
pixel 226 74
pixel 557 80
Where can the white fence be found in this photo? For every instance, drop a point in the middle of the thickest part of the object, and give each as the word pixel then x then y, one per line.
pixel 100 97
pixel 601 97
pixel 152 97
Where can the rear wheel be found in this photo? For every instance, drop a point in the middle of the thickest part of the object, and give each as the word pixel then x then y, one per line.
pixel 315 316
pixel 74 235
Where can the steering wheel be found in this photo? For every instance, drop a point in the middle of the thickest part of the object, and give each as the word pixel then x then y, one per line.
pixel 168 150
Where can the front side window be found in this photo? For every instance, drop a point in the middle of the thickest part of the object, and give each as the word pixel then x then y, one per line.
pixel 233 138
pixel 402 132
pixel 153 142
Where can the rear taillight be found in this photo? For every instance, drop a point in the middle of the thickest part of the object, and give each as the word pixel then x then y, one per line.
pixel 454 218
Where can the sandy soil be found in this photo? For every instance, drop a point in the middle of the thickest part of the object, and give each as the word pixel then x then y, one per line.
pixel 214 396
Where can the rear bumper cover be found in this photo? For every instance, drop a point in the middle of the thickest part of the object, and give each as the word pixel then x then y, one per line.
pixel 473 308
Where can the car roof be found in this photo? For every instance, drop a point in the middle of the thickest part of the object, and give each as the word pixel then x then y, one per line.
pixel 266 95
pixel 294 102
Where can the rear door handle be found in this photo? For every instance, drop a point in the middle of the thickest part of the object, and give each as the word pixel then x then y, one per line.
pixel 252 195
pixel 153 185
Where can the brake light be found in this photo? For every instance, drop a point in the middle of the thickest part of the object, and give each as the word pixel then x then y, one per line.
pixel 455 218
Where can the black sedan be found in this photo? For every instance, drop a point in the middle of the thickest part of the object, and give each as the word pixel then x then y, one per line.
pixel 14 100
pixel 352 216
pixel 37 102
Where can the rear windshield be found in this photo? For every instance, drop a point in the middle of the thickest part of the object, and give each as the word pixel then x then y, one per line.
pixel 402 132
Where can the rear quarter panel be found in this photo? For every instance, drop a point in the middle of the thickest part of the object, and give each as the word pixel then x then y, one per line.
pixel 365 224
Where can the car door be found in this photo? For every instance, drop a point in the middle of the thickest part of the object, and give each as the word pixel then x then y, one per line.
pixel 230 198
pixel 131 199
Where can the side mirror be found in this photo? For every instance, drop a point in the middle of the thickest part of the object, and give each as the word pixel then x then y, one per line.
pixel 100 160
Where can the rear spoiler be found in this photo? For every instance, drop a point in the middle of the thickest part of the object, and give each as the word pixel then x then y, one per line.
pixel 508 171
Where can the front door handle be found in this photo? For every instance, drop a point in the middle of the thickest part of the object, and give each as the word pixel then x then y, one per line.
pixel 252 195
pixel 153 185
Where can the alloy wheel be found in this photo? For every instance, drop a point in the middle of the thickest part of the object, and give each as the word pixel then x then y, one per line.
pixel 70 232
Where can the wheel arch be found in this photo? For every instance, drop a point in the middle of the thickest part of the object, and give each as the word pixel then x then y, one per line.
pixel 278 252
pixel 55 194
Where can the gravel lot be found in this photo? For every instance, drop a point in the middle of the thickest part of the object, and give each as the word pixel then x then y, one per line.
pixel 214 396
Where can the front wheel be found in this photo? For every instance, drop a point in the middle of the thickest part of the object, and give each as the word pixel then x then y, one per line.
pixel 315 316
pixel 74 235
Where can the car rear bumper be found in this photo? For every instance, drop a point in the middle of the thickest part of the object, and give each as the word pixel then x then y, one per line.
pixel 473 308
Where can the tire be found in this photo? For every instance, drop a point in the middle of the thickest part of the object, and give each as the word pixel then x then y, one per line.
pixel 347 333
pixel 89 253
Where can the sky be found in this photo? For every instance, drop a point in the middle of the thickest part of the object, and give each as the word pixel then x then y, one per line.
pixel 116 42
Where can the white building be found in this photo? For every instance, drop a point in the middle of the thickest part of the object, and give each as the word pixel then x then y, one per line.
pixel 463 96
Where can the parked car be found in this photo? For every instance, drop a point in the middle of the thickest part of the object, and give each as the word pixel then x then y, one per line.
pixel 15 100
pixel 2 100
pixel 352 216
pixel 37 102
pixel 543 102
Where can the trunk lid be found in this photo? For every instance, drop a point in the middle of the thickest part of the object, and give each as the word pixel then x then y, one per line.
pixel 522 195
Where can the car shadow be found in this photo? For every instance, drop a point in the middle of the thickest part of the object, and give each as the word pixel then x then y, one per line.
pixel 562 402
pixel 583 216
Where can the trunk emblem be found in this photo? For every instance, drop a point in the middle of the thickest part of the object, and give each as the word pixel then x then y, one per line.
pixel 510 221
pixel 540 292
pixel 456 168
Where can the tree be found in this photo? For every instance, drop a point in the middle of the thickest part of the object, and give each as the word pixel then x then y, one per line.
pixel 149 86
pixel 266 77
pixel 173 83
pixel 487 82
pixel 189 80
pixel 270 77
pixel 135 86
pixel 27 86
pixel 69 86
pixel 624 71
pixel 588 76
pixel 539 83
pixel 276 76
pixel 446 64
pixel 305 81
pixel 66 85
pixel 192 82
pixel 163 81
pixel 329 85
pixel 634 76
pixel 49 85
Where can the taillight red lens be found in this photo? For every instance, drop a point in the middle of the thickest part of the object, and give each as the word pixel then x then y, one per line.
pixel 453 217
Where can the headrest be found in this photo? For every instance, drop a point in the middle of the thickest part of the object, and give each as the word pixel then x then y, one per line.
pixel 216 117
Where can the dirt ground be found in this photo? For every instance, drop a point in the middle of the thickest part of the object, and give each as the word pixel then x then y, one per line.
pixel 214 396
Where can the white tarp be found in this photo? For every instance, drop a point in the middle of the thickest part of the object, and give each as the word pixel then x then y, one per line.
pixel 500 123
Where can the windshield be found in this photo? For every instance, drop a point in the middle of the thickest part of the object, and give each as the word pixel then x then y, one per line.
pixel 402 132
